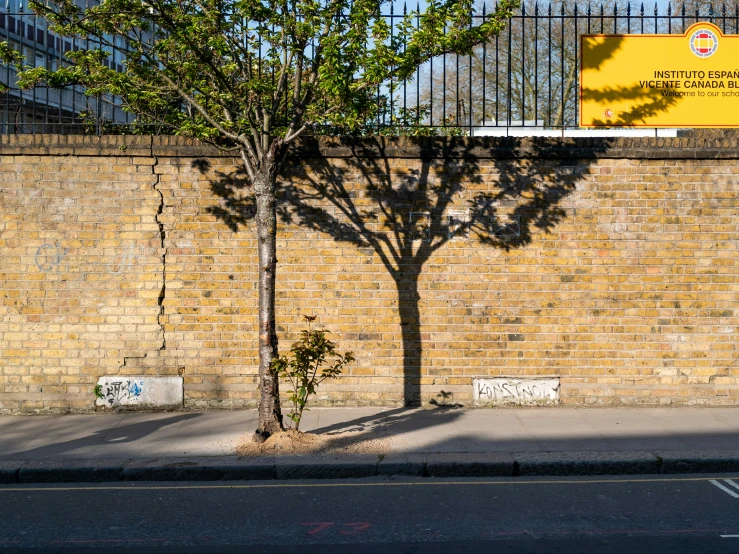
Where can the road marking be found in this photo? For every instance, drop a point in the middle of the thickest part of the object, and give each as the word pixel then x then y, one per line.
pixel 134 487
pixel 318 527
pixel 725 489
pixel 729 536
pixel 732 483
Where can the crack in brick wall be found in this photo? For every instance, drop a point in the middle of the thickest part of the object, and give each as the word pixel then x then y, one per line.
pixel 162 236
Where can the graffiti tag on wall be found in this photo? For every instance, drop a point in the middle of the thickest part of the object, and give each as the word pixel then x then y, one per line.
pixel 121 392
pixel 49 258
pixel 140 391
pixel 503 390
pixel 126 261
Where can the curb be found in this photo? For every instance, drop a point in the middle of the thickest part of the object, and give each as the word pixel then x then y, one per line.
pixel 231 468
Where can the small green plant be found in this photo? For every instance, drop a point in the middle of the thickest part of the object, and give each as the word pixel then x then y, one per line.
pixel 98 390
pixel 303 367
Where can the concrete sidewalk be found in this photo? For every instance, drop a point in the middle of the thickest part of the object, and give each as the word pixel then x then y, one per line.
pixel 424 442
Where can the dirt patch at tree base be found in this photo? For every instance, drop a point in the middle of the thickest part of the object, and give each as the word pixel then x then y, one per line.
pixel 292 442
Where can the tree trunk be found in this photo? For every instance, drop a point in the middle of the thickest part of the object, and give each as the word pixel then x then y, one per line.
pixel 270 415
pixel 410 326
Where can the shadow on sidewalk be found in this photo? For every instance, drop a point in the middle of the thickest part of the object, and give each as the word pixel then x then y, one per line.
pixel 481 431
pixel 114 434
pixel 394 421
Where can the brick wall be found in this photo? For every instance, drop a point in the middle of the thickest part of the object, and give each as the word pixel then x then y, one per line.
pixel 609 263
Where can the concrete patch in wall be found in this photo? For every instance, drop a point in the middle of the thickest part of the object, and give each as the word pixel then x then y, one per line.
pixel 501 391
pixel 140 392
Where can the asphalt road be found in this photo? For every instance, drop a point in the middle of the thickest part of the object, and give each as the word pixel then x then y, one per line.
pixel 640 514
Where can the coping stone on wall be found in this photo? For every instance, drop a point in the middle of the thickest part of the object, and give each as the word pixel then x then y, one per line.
pixel 516 147
pixel 75 145
pixel 181 147
pixel 389 147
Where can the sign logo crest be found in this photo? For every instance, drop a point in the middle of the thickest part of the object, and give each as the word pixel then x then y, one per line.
pixel 704 43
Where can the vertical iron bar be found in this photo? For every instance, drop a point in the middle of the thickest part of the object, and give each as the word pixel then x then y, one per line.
pixel 456 93
pixel 509 91
pixel 405 81
pixel 379 104
pixel 656 23
pixel 549 58
pixel 87 47
pixel 577 73
pixel 601 18
pixel 98 131
pixel 484 68
pixel 47 63
pixel 20 29
pixel 298 59
pixel 562 67
pixel 99 99
pixel 122 52
pixel 497 73
pixel 312 57
pixel 259 56
pixel 469 107
pixel 615 18
pixel 523 62
pixel 536 61
pixel 30 29
pixel 392 89
pixel 61 91
pixel 418 70
pixel 431 92
pixel 589 14
pixel 6 107
pixel 34 53
pixel 443 86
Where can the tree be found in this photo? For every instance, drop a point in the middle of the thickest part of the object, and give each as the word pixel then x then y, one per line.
pixel 252 76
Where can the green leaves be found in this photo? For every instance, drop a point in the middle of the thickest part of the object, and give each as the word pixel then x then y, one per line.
pixel 8 55
pixel 245 73
pixel 305 368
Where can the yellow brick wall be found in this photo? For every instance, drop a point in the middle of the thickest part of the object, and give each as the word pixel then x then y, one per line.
pixel 611 264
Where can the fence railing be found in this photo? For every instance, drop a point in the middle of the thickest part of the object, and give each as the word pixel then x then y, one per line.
pixel 527 77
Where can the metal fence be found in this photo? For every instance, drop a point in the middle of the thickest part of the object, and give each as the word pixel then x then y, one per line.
pixel 527 77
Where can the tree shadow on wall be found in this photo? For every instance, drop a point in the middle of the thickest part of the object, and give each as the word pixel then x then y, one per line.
pixel 406 217
pixel 497 193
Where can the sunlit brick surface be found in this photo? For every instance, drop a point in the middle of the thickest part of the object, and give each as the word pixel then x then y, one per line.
pixel 613 267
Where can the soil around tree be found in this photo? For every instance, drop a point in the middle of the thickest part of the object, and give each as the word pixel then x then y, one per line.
pixel 292 442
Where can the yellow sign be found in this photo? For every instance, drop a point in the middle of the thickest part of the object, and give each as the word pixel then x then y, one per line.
pixel 689 80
